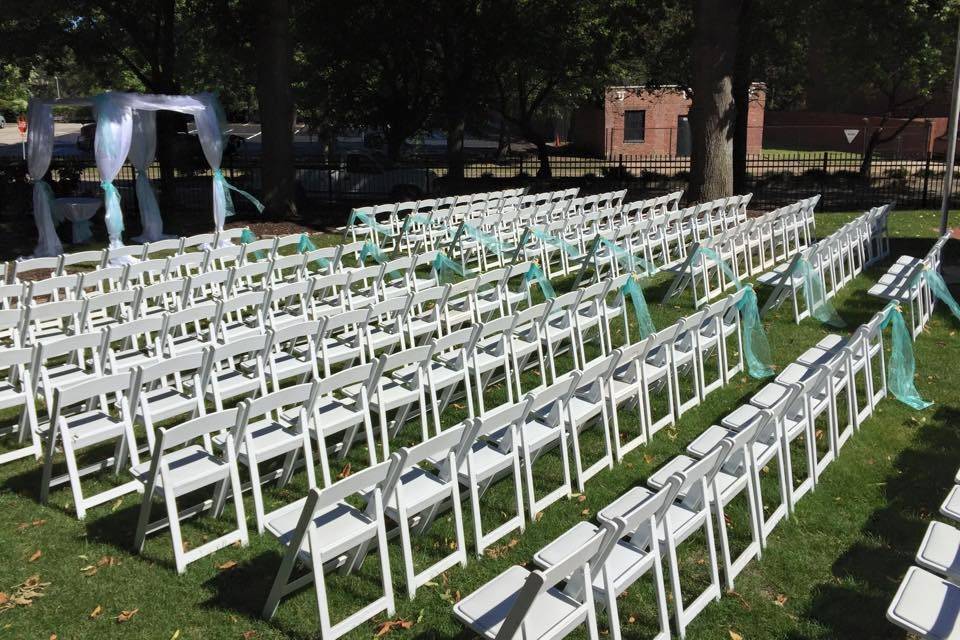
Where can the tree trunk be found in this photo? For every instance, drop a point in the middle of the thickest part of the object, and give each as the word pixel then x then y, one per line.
pixel 543 153
pixel 713 113
pixel 866 163
pixel 456 125
pixel 743 69
pixel 274 95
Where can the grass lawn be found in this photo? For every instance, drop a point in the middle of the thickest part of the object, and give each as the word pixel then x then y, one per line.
pixel 792 153
pixel 829 571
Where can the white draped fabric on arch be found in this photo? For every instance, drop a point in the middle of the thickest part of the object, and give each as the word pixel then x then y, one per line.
pixel 126 128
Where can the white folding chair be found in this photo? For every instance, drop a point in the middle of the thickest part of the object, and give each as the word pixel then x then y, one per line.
pixel 324 530
pixel 402 383
pixel 236 369
pixel 168 389
pixel 274 425
pixel 450 368
pixel 242 316
pixel 588 404
pixel 131 344
pixel 46 321
pixel 95 424
pixel 421 493
pixel 293 352
pixel 531 604
pixel 636 551
pixel 17 390
pixel 337 413
pixel 926 605
pixel 190 329
pixel 342 340
pixel 180 465
pixel 108 309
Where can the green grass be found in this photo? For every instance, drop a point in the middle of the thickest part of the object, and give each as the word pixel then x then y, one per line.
pixel 829 572
pixel 790 153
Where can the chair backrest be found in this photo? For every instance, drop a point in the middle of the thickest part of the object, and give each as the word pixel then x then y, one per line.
pixel 89 389
pixel 55 287
pixel 540 581
pixel 365 375
pixel 33 264
pixel 95 257
pixel 181 434
pixel 702 472
pixel 154 249
pixel 272 405
pixel 550 402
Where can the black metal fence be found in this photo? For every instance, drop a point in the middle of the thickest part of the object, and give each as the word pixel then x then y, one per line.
pixel 773 179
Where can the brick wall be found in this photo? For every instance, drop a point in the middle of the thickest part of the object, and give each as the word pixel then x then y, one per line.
pixel 824 131
pixel 600 131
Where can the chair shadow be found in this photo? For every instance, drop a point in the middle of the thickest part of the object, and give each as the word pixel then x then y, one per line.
pixel 923 474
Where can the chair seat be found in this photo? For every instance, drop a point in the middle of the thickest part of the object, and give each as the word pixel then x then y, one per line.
pixel 771 396
pixel 232 383
pixel 395 392
pixel 234 331
pixel 624 504
pixel 270 439
pixel 741 417
pixel 624 565
pixel 191 467
pixel 951 505
pixel 421 489
pixel 485 609
pixel 443 375
pixel 67 375
pixel 940 550
pixel 166 402
pixel 486 461
pixel 93 427
pixel 927 605
pixel 582 409
pixel 287 365
pixel 127 360
pixel 337 350
pixel 336 415
pixel 340 527
pixel 706 441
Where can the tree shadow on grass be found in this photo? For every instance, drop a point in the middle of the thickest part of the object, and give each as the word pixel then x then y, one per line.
pixel 867 575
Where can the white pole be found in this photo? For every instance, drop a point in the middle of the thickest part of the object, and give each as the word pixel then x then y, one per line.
pixel 951 141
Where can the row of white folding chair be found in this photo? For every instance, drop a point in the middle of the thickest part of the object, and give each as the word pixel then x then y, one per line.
pixel 391 217
pixel 722 463
pixel 834 261
pixel 927 601
pixel 104 258
pixel 649 208
pixel 904 283
pixel 709 277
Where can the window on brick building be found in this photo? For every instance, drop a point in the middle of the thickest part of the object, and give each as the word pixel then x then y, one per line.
pixel 634 125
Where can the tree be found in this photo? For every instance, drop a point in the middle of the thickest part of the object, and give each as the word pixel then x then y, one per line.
pixel 892 54
pixel 553 55
pixel 275 97
pixel 713 112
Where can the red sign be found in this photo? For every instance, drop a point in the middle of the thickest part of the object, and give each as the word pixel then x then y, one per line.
pixel 22 126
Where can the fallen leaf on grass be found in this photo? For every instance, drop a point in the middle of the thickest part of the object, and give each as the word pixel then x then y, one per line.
pixel 585 512
pixel 126 615
pixel 24 593
pixel 248 634
pixel 4 598
pixel 780 600
pixel 581 498
pixel 23 526
pixel 734 635
pixel 648 458
pixel 346 471
pixel 176 634
pixel 116 504
pixel 390 625
pixel 36 556
pixel 96 612
pixel 226 566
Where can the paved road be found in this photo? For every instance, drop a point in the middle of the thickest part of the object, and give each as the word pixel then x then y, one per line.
pixel 65 138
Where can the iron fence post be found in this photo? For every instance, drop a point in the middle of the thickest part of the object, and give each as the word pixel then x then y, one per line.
pixel 926 180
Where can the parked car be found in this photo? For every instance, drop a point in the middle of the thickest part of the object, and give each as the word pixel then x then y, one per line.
pixel 3 121
pixel 372 172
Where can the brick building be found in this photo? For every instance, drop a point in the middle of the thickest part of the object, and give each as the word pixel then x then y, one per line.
pixel 641 121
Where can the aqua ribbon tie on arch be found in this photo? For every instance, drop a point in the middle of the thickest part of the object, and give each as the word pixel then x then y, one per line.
pixel 228 209
pixel 113 216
